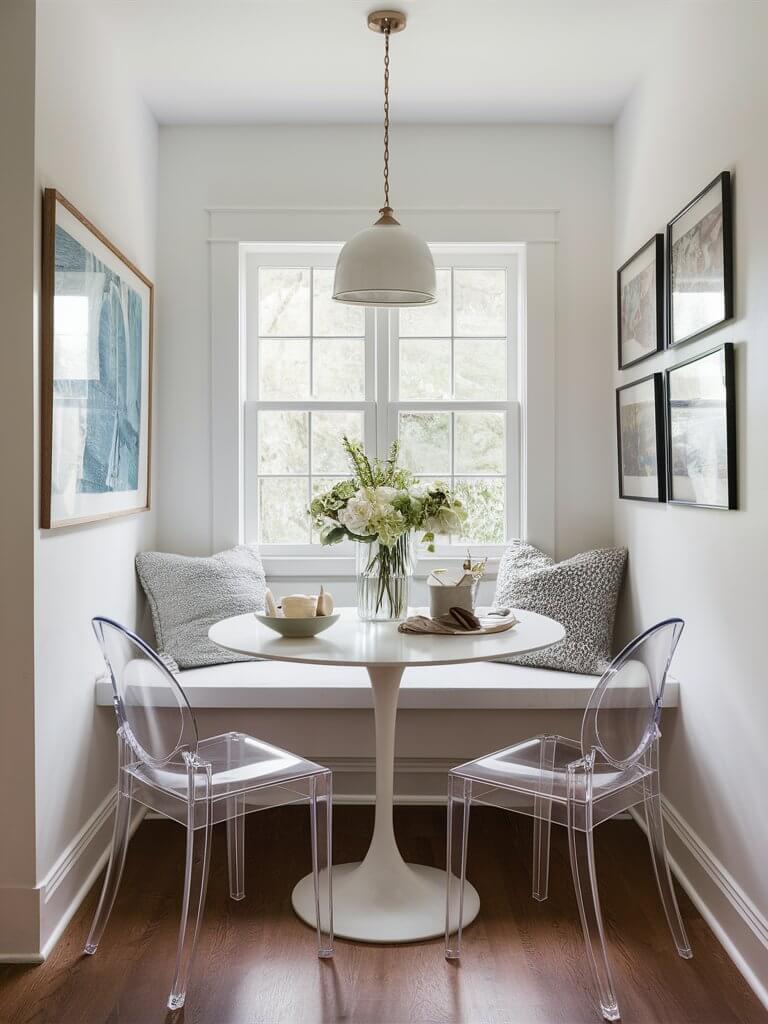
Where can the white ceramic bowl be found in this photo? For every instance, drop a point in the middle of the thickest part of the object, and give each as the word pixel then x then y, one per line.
pixel 298 627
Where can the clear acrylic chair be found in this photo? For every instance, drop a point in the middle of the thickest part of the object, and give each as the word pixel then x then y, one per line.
pixel 613 767
pixel 163 765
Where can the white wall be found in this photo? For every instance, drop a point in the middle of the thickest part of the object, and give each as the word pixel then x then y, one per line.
pixel 702 110
pixel 97 144
pixel 338 166
pixel 18 919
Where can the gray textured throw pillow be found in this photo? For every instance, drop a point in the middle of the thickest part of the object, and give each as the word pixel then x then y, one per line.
pixel 187 595
pixel 581 593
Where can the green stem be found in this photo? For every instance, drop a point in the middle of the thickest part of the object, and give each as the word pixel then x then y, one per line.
pixel 390 566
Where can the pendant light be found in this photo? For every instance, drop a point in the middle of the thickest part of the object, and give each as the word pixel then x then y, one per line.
pixel 385 265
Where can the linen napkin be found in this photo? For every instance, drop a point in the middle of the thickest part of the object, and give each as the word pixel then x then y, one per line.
pixel 456 622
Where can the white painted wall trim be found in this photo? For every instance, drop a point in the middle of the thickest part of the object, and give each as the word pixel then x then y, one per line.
pixel 470 225
pixel 740 926
pixel 21 958
pixel 537 230
pixel 737 922
pixel 71 878
pixel 408 765
pixel 537 376
pixel 227 441
pixel 323 566
pixel 422 781
pixel 419 781
pixel 224 208
pixel 75 850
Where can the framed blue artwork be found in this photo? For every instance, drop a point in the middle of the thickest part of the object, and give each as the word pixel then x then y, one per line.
pixel 96 370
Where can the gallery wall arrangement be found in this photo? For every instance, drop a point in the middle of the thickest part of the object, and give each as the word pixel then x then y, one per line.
pixel 96 373
pixel 676 431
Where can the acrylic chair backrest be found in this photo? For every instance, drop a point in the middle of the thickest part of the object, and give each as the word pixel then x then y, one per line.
pixel 623 712
pixel 151 707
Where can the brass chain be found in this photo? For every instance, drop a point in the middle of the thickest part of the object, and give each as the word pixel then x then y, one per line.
pixel 386 113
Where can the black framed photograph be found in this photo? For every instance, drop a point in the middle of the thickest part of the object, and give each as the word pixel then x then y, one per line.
pixel 640 303
pixel 700 263
pixel 701 427
pixel 640 431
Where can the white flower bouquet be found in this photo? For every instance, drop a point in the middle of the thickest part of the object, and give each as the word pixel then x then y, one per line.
pixel 380 507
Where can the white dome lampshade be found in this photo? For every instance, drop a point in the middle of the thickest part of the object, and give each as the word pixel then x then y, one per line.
pixel 385 265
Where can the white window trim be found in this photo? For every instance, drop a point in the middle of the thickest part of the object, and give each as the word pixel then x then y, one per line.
pixel 510 258
pixel 333 565
pixel 534 232
pixel 382 403
pixel 285 557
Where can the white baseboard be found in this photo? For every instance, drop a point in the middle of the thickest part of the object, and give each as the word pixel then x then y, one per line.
pixel 418 780
pixel 737 922
pixel 734 918
pixel 403 765
pixel 57 897
pixel 70 879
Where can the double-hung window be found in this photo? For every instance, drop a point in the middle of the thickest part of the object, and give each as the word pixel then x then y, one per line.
pixel 441 378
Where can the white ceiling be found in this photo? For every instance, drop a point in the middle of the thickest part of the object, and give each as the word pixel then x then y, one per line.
pixel 203 61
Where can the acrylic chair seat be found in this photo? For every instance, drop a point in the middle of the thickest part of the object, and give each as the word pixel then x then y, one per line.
pixel 164 766
pixel 537 768
pixel 241 766
pixel 579 784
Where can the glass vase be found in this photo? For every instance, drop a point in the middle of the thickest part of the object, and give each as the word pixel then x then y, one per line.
pixel 384 579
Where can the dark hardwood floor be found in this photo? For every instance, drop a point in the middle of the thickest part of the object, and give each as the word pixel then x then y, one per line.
pixel 523 961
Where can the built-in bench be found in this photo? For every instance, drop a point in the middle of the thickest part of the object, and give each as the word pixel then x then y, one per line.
pixel 324 712
pixel 484 685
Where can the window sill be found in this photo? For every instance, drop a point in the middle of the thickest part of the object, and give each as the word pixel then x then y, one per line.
pixel 330 566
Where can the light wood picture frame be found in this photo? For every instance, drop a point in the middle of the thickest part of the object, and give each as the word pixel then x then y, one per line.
pixel 97 316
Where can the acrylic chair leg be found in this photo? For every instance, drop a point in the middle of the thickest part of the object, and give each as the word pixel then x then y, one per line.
pixel 459 799
pixel 582 851
pixel 195 883
pixel 120 836
pixel 542 820
pixel 321 811
pixel 656 841
pixel 236 847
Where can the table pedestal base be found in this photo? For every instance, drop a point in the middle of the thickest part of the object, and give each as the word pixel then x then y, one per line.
pixel 383 899
pixel 404 904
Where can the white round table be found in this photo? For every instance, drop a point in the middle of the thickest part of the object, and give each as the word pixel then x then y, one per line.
pixel 383 899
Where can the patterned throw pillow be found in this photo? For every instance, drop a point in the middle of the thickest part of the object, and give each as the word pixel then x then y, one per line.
pixel 187 595
pixel 581 593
